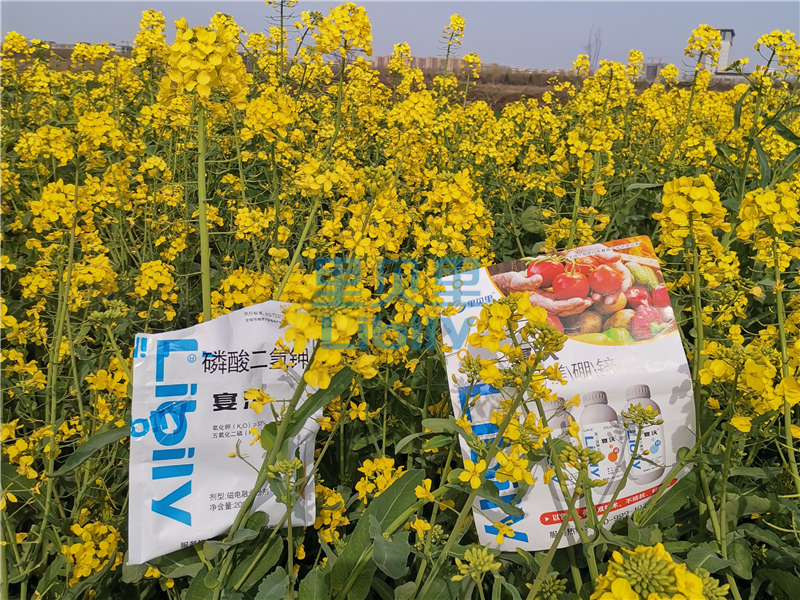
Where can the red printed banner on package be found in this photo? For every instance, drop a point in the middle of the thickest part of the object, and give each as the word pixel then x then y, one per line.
pixel 623 349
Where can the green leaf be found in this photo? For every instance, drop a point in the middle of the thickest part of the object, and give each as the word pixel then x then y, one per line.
pixel 211 580
pixel 531 219
pixel 405 591
pixel 382 588
pixel 789 160
pixel 786 133
pixel 52 575
pixel 489 491
pixel 437 442
pixel 386 508
pixel 444 426
pixel 671 502
pixel 339 384
pixel 391 556
pixel 313 586
pixel 768 537
pixel 643 186
pixel 678 547
pixel 105 435
pixel 274 586
pixel 703 556
pixel 265 563
pixel 787 582
pixel 442 588
pixel 268 435
pixel 786 111
pixel 212 547
pixel 132 573
pixel 257 521
pixel 763 165
pixel 400 446
pixel 755 472
pixel 644 536
pixel 181 563
pixel 741 558
pixel 752 504
pixel 511 589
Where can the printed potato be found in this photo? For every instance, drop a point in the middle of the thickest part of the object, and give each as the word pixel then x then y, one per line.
pixel 586 322
pixel 621 318
pixel 609 309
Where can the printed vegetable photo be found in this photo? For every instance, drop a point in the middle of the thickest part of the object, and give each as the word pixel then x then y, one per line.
pixel 596 294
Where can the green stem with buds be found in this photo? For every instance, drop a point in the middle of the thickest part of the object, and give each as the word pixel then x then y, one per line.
pixel 205 253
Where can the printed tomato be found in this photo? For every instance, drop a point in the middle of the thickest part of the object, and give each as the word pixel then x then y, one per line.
pixel 555 322
pixel 583 265
pixel 605 280
pixel 548 269
pixel 660 297
pixel 637 296
pixel 570 285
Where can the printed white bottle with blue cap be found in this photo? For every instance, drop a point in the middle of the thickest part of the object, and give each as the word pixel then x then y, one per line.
pixel 652 439
pixel 602 431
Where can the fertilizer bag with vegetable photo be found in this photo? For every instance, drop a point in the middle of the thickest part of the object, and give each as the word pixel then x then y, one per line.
pixel 625 391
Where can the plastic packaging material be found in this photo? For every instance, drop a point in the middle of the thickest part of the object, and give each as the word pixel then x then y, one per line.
pixel 602 431
pixel 611 346
pixel 652 438
pixel 191 416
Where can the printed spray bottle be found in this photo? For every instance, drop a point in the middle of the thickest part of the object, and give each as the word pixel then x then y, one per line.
pixel 603 432
pixel 651 444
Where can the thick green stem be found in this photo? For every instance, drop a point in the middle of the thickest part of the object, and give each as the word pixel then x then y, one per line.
pixel 621 486
pixel 289 535
pixel 338 121
pixel 205 253
pixel 3 565
pixel 712 510
pixel 75 376
pixel 574 224
pixel 684 127
pixel 122 363
pixel 297 250
pixel 680 465
pixel 697 317
pixel 723 498
pixel 573 568
pixel 545 564
pixel 52 366
pixel 269 460
pixel 490 454
pixel 787 408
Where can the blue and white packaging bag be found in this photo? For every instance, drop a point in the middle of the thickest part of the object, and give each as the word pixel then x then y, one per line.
pixel 189 412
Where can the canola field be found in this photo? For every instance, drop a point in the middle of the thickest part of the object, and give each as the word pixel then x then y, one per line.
pixel 221 169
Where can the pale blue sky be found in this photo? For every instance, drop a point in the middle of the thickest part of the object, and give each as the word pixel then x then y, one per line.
pixel 519 34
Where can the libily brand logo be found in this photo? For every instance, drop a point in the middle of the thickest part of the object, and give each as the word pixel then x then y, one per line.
pixel 169 424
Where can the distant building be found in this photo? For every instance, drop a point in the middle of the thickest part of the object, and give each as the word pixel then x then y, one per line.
pixel 725 48
pixel 652 70
pixel 427 63
pixel 724 51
